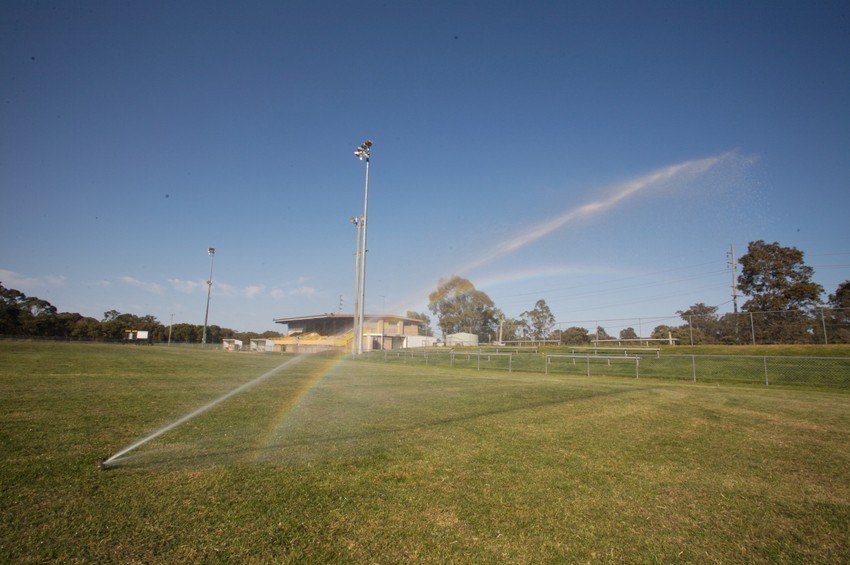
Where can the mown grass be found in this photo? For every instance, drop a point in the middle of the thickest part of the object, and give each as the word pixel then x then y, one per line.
pixel 783 366
pixel 332 460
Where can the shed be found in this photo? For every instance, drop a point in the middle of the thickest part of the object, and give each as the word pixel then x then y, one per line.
pixel 462 339
pixel 261 345
pixel 419 341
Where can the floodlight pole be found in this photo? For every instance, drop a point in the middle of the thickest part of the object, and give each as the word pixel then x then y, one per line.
pixel 358 223
pixel 362 153
pixel 211 252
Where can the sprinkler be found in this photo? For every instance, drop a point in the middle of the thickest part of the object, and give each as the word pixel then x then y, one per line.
pixel 101 463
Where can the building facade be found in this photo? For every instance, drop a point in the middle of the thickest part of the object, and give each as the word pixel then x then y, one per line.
pixel 328 332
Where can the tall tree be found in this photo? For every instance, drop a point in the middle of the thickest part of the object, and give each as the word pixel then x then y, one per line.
pixel 702 323
pixel 539 320
pixel 780 287
pixel 839 314
pixel 11 310
pixel 459 307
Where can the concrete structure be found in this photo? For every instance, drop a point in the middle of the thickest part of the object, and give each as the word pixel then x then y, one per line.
pixel 462 340
pixel 419 341
pixel 261 345
pixel 231 344
pixel 336 332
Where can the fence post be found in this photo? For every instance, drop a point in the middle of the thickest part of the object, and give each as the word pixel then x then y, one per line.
pixel 588 365
pixel 765 370
pixel 694 366
pixel 637 367
pixel 823 323
pixel 753 328
pixel 510 362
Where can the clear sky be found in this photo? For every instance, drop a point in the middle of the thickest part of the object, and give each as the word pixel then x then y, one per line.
pixel 602 156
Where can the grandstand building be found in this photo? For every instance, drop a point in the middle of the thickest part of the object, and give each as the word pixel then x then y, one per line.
pixel 327 332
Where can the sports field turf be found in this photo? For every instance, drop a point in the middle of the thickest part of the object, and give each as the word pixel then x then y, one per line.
pixel 329 460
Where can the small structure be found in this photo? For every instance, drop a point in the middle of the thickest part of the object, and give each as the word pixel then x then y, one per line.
pixel 231 344
pixel 462 339
pixel 419 341
pixel 261 345
pixel 136 335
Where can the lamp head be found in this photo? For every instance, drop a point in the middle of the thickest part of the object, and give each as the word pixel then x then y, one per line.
pixel 362 152
pixel 211 250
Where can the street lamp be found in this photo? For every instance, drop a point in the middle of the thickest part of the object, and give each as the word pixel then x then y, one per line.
pixel 211 252
pixel 362 153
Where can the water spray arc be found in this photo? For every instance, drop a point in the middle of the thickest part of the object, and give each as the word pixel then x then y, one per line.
pixel 104 463
pixel 681 172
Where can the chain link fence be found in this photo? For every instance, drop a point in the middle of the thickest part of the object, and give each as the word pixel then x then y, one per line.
pixel 754 369
pixel 820 326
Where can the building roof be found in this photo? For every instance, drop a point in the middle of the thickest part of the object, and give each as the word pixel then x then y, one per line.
pixel 339 316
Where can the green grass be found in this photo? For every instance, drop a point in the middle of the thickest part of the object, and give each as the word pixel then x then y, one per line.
pixel 333 460
pixel 798 366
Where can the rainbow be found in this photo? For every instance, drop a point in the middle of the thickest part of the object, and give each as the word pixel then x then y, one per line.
pixel 290 404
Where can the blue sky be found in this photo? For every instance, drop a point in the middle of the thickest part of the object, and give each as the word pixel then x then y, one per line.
pixel 602 156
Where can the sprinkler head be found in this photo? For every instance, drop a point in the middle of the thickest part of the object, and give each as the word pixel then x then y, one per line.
pixel 101 463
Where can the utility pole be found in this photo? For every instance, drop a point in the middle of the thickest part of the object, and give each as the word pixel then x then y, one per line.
pixel 732 264
pixel 734 267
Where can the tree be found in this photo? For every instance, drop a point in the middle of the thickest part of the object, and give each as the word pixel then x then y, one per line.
pixel 575 336
pixel 425 327
pixel 11 307
pixel 539 320
pixel 839 315
pixel 702 323
pixel 39 317
pixel 666 332
pixel 628 333
pixel 459 307
pixel 26 315
pixel 780 287
pixel 509 329
pixel 601 334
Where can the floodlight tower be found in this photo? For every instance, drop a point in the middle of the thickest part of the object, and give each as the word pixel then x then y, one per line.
pixel 211 252
pixel 362 153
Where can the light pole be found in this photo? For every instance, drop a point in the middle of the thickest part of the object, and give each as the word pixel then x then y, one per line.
pixel 362 153
pixel 358 223
pixel 211 252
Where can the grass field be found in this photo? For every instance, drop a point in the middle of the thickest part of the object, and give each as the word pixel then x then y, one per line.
pixel 330 460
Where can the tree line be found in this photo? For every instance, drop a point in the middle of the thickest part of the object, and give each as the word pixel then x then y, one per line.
pixel 28 316
pixel 784 305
